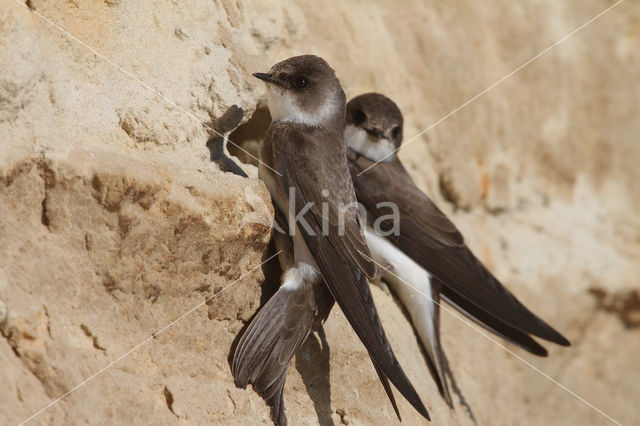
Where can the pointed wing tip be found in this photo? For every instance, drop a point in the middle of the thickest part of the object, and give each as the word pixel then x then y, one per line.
pixel 558 339
pixel 418 405
pixel 534 348
pixel 544 331
pixel 541 352
pixel 561 340
pixel 425 413
pixel 398 414
pixel 420 408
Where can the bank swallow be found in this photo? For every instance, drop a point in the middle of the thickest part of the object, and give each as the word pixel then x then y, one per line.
pixel 305 169
pixel 428 252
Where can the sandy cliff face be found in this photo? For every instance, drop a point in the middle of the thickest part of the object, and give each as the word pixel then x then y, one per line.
pixel 114 224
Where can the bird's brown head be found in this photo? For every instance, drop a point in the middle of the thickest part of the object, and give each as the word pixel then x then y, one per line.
pixel 304 90
pixel 373 126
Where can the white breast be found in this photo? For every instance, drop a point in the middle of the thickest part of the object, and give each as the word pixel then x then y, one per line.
pixel 284 107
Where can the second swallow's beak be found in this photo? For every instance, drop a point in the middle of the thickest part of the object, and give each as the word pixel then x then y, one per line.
pixel 264 77
pixel 376 133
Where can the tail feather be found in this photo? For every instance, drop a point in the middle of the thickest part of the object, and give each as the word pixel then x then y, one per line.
pixel 275 334
pixel 265 350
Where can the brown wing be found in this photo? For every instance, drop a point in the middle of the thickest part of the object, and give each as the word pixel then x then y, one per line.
pixel 492 324
pixel 312 161
pixel 311 164
pixel 433 241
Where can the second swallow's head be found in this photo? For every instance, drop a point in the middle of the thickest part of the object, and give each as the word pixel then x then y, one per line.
pixel 304 90
pixel 373 126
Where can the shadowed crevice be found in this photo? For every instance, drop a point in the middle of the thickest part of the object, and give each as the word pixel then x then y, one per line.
pixel 249 136
pixel 219 130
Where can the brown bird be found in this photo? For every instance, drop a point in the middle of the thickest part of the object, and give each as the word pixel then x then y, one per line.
pixel 305 169
pixel 426 252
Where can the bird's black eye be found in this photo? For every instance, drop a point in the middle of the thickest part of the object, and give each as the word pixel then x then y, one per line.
pixel 395 132
pixel 301 83
pixel 358 116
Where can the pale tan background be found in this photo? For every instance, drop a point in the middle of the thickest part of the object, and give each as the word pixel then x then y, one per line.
pixel 113 222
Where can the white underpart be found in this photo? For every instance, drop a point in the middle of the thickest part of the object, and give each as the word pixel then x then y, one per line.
pixel 412 284
pixel 301 268
pixel 305 269
pixel 297 276
pixel 284 107
pixel 361 142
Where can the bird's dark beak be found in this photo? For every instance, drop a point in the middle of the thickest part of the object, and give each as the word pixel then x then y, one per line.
pixel 376 133
pixel 265 77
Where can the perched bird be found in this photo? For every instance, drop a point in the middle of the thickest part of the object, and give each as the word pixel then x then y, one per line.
pixel 426 253
pixel 305 169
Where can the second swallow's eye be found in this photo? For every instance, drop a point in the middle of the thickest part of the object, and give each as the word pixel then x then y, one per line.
pixel 395 132
pixel 301 83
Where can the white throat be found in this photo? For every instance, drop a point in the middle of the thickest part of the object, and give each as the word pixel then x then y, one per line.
pixel 359 140
pixel 283 107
